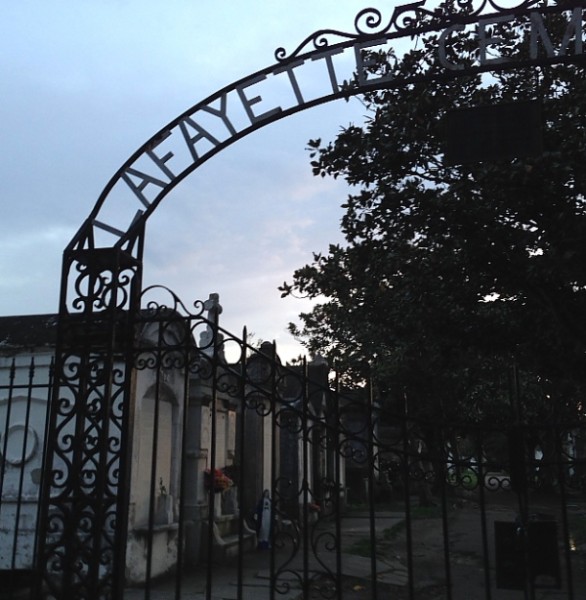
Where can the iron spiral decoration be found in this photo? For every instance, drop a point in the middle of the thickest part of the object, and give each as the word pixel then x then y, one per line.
pixel 407 19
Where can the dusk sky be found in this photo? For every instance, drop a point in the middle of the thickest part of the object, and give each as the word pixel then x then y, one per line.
pixel 86 83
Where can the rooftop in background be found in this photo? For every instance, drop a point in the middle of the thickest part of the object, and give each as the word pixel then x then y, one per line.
pixel 28 331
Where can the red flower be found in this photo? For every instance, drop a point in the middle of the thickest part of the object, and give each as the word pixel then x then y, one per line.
pixel 220 480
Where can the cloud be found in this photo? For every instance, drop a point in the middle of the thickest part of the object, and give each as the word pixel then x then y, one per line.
pixel 86 84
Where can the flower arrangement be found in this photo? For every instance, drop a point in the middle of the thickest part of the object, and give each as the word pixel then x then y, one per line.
pixel 219 480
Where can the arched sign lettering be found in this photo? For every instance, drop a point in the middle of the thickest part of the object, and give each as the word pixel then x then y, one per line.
pixel 244 106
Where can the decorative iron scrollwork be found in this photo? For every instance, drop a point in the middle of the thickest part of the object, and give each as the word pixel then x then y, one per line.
pixel 405 20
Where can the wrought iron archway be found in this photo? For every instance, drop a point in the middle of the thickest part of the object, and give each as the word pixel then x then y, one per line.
pixel 85 499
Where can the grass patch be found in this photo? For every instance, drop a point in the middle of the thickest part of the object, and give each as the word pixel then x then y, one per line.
pixel 363 547
pixel 378 506
pixel 426 512
pixel 417 511
pixel 390 533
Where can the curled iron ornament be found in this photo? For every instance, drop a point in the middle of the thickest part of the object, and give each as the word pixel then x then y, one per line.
pixel 366 24
pixel 404 20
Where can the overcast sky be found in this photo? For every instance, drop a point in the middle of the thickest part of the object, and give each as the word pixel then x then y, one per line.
pixel 86 82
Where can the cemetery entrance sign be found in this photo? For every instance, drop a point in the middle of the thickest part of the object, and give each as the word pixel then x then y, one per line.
pixel 85 502
pixel 246 105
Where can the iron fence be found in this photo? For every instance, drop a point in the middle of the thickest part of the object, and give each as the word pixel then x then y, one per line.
pixel 25 393
pixel 364 498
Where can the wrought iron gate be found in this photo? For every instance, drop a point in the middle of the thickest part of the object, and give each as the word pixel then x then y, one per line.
pixel 367 500
pixel 164 431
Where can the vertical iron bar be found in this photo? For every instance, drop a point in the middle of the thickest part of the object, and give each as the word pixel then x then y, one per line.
pixel 127 420
pixel 274 459
pixel 185 349
pixel 50 388
pixel 242 448
pixel 213 435
pixel 305 496
pixel 483 524
pixel 522 491
pixel 406 477
pixel 126 432
pixel 371 499
pixel 3 462
pixel 564 511
pixel 337 458
pixel 72 549
pixel 154 456
pixel 11 379
pixel 103 423
pixel 51 437
pixel 444 501
pixel 119 355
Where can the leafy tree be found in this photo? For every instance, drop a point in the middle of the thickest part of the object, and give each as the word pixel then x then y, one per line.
pixel 451 274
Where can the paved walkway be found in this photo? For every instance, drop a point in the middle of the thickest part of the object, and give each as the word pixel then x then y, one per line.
pixel 256 579
pixel 467 564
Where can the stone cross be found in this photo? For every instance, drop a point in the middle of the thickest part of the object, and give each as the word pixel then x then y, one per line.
pixel 213 306
pixel 206 338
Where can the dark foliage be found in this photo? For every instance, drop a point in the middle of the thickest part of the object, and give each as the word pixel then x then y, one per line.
pixel 452 275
